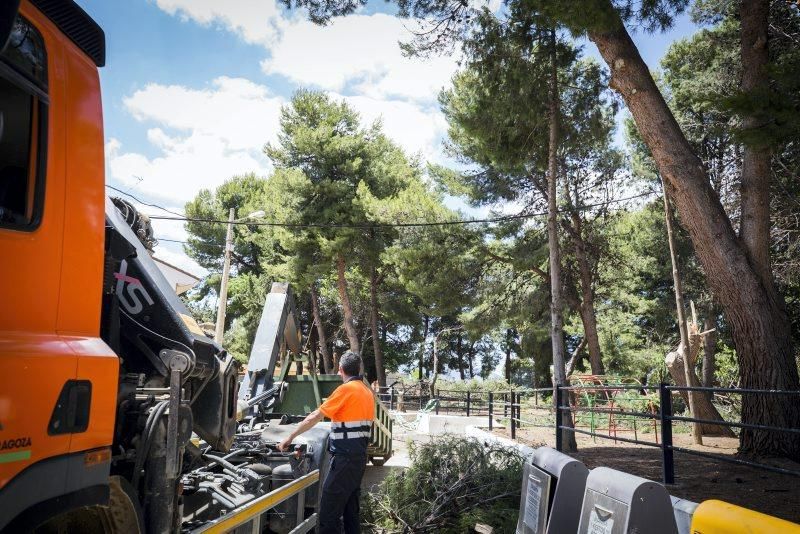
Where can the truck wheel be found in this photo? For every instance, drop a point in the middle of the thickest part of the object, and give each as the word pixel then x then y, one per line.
pixel 124 510
pixel 122 515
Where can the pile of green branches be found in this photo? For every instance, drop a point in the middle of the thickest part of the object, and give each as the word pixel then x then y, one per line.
pixel 452 484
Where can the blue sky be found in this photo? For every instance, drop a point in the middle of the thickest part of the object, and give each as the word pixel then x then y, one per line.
pixel 192 88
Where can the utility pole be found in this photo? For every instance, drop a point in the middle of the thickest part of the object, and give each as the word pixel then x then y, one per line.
pixel 226 271
pixel 223 288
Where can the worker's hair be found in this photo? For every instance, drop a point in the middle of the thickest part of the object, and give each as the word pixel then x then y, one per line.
pixel 350 362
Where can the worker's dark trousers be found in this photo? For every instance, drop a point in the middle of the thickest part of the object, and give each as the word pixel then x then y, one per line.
pixel 340 494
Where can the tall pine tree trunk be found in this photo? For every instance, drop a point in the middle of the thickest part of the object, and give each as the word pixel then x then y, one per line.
pixel 374 313
pixel 508 356
pixel 327 361
pixel 471 358
pixel 760 326
pixel 422 347
pixel 460 354
pixel 556 298
pixel 588 317
pixel 435 365
pixel 755 221
pixel 349 326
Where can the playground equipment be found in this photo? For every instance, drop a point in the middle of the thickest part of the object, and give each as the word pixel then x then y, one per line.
pixel 605 406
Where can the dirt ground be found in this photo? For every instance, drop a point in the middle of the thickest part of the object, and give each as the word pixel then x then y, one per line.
pixel 696 479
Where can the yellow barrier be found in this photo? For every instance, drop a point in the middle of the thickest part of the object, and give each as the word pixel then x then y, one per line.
pixel 259 506
pixel 717 517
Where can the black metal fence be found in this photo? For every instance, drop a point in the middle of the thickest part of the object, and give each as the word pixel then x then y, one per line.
pixel 665 418
pixel 507 406
pixel 405 399
pixel 541 412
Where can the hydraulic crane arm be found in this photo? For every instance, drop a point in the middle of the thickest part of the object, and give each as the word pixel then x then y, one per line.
pixel 279 326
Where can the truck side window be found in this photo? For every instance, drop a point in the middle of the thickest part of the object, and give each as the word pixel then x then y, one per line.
pixel 23 112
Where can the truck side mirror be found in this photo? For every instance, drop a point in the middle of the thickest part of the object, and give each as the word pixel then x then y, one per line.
pixel 8 14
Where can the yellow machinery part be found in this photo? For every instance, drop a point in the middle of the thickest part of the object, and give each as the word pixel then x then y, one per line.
pixel 718 517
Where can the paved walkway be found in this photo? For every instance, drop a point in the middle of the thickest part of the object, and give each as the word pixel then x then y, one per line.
pixel 401 439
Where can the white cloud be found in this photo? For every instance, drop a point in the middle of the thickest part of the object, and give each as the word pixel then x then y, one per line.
pixel 166 229
pixel 203 137
pixel 357 58
pixel 234 109
pixel 361 51
pixel 255 21
pixel 179 260
pixel 416 128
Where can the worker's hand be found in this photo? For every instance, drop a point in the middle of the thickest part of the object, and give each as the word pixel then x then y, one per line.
pixel 284 445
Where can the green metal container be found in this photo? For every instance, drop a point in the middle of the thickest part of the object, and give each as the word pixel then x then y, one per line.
pixel 299 398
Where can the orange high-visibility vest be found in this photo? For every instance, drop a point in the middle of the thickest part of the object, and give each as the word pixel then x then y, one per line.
pixel 351 409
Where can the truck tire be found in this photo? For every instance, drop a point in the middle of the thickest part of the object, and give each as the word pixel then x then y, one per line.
pixel 123 515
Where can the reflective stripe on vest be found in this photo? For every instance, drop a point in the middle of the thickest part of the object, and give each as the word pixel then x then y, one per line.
pixel 351 429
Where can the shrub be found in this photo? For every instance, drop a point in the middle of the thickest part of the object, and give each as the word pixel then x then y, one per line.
pixel 452 484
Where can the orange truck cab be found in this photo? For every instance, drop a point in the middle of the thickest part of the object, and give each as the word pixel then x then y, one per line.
pixel 103 374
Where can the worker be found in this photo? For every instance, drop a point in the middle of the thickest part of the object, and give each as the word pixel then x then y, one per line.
pixel 351 409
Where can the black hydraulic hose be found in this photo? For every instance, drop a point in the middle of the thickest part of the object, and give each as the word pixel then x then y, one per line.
pixel 262 396
pixel 146 439
pixel 226 465
pixel 221 461
pixel 237 452
pixel 147 436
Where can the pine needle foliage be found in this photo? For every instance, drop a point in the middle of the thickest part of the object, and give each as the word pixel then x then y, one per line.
pixel 452 484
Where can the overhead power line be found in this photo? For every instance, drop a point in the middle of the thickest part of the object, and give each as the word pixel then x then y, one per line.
pixel 365 226
pixel 140 201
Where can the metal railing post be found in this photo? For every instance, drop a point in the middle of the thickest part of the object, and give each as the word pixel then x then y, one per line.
pixel 513 423
pixel 491 409
pixel 559 422
pixel 391 397
pixel 505 404
pixel 468 401
pixel 667 454
pixel 438 400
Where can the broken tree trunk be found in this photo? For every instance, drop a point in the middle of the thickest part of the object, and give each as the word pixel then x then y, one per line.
pixel 683 349
pixel 575 358
pixel 703 408
pixel 709 352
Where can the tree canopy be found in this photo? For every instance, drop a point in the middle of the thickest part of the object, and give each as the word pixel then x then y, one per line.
pixel 384 265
